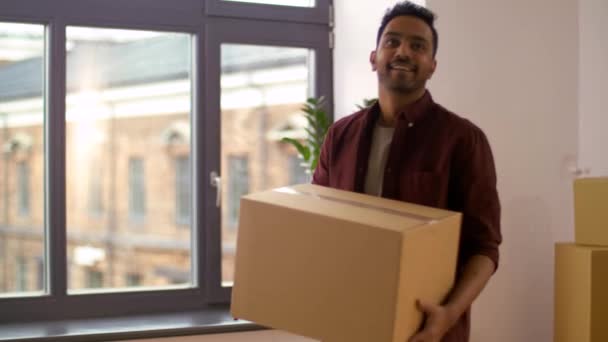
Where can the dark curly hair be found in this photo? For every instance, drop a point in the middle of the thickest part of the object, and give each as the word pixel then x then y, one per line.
pixel 408 8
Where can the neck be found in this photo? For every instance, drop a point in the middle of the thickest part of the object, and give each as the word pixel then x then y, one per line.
pixel 392 103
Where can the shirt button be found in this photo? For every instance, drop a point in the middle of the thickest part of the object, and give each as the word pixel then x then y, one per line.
pixel 410 124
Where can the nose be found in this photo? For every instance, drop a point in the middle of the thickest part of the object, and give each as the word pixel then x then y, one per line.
pixel 404 51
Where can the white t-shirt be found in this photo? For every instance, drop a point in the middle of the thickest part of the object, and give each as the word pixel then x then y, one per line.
pixel 378 154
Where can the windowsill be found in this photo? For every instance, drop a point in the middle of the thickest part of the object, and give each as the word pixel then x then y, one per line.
pixel 209 321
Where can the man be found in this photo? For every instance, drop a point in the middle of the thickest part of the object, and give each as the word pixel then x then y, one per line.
pixel 409 148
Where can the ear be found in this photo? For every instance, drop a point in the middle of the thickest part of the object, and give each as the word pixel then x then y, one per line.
pixel 372 60
pixel 434 66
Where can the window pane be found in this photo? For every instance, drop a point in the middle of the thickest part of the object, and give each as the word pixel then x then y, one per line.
pixel 21 159
pixel 295 3
pixel 263 89
pixel 128 118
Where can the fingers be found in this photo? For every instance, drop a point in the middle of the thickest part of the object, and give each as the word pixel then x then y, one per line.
pixel 427 334
pixel 424 336
pixel 427 307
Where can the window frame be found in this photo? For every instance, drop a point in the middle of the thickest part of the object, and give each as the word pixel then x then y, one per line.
pixel 321 13
pixel 205 22
pixel 241 31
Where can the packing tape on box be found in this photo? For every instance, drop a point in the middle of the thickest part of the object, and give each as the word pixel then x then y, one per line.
pixel 291 191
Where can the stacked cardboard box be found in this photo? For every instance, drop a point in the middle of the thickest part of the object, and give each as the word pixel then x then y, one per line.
pixel 581 268
pixel 340 266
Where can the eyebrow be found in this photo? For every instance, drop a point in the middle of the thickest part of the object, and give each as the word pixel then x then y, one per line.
pixel 412 37
pixel 393 34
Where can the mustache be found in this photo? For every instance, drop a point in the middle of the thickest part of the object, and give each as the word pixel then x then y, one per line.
pixel 403 62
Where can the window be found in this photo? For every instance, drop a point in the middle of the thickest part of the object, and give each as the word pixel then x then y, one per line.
pixel 94 279
pixel 137 190
pixel 138 133
pixel 127 116
pixel 133 279
pixel 95 189
pixel 21 275
pixel 23 194
pixel 183 190
pixel 297 172
pixel 263 88
pixel 238 185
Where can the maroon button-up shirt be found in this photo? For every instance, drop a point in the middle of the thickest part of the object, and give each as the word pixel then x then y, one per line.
pixel 437 159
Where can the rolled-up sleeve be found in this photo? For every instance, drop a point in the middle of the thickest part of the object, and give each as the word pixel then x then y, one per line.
pixel 477 198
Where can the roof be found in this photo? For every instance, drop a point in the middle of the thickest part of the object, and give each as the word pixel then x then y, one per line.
pixel 109 64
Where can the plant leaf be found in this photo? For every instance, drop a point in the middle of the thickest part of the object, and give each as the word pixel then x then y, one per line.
pixel 314 163
pixel 303 150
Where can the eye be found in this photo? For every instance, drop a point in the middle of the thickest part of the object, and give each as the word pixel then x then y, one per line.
pixel 391 42
pixel 417 46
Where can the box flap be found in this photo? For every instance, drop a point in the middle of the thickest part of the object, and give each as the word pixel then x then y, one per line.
pixel 351 206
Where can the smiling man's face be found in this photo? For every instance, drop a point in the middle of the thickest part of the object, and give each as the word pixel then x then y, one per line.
pixel 404 58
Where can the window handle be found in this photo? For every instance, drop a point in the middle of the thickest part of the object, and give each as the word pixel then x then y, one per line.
pixel 216 182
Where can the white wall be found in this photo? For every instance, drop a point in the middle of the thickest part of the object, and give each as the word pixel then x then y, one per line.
pixel 355 29
pixel 593 90
pixel 512 68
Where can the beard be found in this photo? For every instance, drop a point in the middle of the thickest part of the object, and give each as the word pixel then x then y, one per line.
pixel 400 82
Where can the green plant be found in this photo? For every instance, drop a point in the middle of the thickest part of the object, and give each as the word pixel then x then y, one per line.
pixel 318 124
pixel 367 103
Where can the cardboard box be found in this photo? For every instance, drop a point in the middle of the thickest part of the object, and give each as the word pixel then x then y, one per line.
pixel 591 211
pixel 581 293
pixel 339 266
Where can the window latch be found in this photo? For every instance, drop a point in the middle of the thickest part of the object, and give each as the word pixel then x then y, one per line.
pixel 216 181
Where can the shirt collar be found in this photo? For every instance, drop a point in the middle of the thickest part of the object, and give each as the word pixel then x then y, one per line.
pixel 411 113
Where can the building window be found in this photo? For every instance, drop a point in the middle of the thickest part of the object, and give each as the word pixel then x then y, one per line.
pixel 133 279
pixel 23 191
pixel 95 190
pixel 238 185
pixel 137 191
pixel 40 273
pixel 94 279
pixel 21 274
pixel 297 172
pixel 183 190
